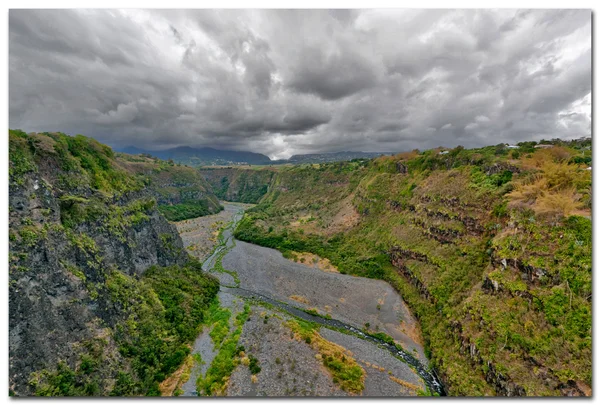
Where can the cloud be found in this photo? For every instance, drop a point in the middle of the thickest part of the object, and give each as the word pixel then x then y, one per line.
pixel 285 82
pixel 125 113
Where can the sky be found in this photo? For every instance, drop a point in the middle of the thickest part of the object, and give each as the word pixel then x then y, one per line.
pixel 284 82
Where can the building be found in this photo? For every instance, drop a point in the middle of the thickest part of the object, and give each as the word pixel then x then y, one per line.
pixel 512 146
pixel 544 146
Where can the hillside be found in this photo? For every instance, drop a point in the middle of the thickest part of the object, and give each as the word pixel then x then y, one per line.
pixel 180 191
pixel 103 299
pixel 489 247
pixel 247 185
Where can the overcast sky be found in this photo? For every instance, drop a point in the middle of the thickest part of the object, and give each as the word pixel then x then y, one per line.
pixel 286 82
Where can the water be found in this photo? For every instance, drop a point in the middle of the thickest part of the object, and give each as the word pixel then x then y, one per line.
pixel 429 376
pixel 227 237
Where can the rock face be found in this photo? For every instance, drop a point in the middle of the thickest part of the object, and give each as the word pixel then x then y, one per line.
pixel 239 184
pixel 66 242
pixel 171 183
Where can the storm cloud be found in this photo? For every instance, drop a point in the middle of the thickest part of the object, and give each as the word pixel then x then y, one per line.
pixel 284 82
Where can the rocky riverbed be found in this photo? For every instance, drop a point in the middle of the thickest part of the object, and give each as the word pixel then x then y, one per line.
pixel 289 366
pixel 356 301
pixel 200 235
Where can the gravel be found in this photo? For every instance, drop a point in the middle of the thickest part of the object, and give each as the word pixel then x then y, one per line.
pixel 353 300
pixel 288 367
pixel 205 347
pixel 199 235
pixel 377 381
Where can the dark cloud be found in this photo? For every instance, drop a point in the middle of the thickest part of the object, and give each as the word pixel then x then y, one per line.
pixel 297 81
pixel 332 74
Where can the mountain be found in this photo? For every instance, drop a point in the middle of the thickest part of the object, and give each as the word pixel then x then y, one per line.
pixel 215 157
pixel 329 157
pixel 466 272
pixel 203 156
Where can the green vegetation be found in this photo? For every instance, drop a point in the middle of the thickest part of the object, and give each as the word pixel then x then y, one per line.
pixel 84 210
pixel 218 266
pixel 180 191
pixel 81 161
pixel 253 365
pixel 239 184
pixel 21 159
pixel 179 212
pixel 219 319
pixel 66 382
pixel 436 227
pixel 344 369
pixel 217 375
pixel 163 313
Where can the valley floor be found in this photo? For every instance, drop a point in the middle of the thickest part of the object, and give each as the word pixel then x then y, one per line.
pixel 200 234
pixel 289 362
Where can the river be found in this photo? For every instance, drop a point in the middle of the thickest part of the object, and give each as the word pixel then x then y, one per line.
pixel 346 303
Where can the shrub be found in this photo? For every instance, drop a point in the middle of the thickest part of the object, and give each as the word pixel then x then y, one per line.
pixel 253 365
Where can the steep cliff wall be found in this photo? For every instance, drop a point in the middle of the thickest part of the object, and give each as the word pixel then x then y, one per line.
pixel 180 191
pixel 239 184
pixel 490 248
pixel 92 310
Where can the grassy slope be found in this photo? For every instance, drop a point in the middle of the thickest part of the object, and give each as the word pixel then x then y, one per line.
pixel 147 321
pixel 438 227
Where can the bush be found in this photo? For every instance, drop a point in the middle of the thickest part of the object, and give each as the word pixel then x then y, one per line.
pixel 253 365
pixel 180 212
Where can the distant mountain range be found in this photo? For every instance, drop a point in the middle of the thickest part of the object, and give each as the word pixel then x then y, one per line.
pixel 203 156
pixel 216 157
pixel 329 157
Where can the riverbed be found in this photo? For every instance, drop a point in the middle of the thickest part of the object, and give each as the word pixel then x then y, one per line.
pixel 278 290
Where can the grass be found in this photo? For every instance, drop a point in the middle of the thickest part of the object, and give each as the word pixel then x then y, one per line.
pixel 346 372
pixel 219 319
pixel 217 375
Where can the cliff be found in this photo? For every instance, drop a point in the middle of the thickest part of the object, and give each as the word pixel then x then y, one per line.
pixel 247 185
pixel 490 247
pixel 180 191
pixel 93 264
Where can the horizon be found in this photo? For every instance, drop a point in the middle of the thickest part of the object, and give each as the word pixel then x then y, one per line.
pixel 119 149
pixel 144 150
pixel 283 83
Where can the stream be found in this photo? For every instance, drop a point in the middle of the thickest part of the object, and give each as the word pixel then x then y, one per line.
pixel 227 243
